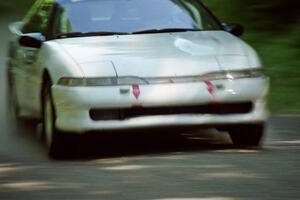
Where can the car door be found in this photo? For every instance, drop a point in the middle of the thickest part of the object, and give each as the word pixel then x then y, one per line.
pixel 27 70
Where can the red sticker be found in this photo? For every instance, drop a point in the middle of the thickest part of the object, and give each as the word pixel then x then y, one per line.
pixel 136 91
pixel 210 87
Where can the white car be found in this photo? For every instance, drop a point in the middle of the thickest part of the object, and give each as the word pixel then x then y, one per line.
pixel 94 65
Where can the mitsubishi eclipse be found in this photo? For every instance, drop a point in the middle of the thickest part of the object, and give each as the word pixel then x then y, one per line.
pixel 103 65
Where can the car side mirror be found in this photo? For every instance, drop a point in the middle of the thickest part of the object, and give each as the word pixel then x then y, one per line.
pixel 235 29
pixel 16 27
pixel 33 40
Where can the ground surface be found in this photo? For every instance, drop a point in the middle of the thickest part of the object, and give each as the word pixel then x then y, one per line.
pixel 201 166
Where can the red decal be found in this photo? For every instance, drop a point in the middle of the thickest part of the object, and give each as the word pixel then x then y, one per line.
pixel 136 91
pixel 210 87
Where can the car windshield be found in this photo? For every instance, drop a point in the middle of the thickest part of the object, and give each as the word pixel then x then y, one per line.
pixel 133 16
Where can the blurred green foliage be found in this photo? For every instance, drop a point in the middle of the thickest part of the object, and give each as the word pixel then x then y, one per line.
pixel 272 28
pixel 14 7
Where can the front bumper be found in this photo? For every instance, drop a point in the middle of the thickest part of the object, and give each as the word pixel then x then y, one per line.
pixel 73 104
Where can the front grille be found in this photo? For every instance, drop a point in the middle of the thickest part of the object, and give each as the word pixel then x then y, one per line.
pixel 127 113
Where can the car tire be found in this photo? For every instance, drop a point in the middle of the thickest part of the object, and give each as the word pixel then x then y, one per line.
pixel 247 135
pixel 56 141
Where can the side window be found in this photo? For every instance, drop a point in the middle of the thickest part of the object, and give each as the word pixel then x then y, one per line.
pixel 38 18
pixel 64 24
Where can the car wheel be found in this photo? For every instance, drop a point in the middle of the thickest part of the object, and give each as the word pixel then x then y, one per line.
pixel 247 135
pixel 55 140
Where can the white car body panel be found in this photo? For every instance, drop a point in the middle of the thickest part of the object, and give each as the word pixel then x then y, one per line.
pixel 73 104
pixel 160 94
pixel 153 55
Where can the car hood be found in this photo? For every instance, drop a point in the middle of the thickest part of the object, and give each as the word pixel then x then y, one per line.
pixel 157 55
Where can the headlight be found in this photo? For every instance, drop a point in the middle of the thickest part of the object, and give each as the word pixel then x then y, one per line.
pixel 131 80
pixel 234 74
pixel 107 81
pixel 251 73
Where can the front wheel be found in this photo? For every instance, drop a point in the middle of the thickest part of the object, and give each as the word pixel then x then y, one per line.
pixel 56 141
pixel 247 135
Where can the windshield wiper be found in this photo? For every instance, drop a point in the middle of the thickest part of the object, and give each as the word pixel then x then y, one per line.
pixel 87 34
pixel 107 33
pixel 165 30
